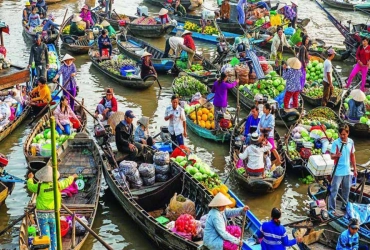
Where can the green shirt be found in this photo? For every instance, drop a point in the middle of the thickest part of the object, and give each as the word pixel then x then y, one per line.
pixel 45 198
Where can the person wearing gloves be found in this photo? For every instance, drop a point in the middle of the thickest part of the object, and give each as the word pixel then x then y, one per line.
pixel 292 75
pixel 255 153
pixel 274 235
pixel 356 106
pixel 278 43
pixel 45 199
pixel 215 230
pixel 86 16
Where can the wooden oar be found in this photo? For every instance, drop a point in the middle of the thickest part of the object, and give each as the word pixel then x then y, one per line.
pixel 60 31
pixel 243 228
pixel 47 105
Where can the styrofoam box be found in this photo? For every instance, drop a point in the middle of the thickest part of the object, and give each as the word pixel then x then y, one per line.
pixel 320 165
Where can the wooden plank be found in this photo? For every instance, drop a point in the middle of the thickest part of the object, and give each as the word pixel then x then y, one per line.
pixel 12 76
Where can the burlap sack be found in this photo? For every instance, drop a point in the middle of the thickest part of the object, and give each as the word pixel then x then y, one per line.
pixel 179 205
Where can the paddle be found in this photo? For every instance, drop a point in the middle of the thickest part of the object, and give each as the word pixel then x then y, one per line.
pixel 60 31
pixel 16 221
pixel 242 235
pixel 47 105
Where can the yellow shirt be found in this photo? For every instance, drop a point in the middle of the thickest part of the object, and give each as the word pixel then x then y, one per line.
pixel 43 92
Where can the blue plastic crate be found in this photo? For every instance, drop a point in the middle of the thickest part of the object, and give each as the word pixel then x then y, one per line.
pixel 163 146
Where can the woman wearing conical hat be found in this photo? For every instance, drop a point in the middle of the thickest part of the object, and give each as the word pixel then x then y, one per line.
pixel 293 87
pixel 45 199
pixel 147 67
pixel 68 71
pixel 215 231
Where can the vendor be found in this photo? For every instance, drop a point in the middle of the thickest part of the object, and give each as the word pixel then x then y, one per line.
pixel 104 42
pixel 86 16
pixel 74 26
pixel 107 106
pixel 356 106
pixel 106 25
pixel 293 87
pixel 255 154
pixel 278 43
pixel 26 12
pixel 225 11
pixel 142 133
pixel 147 68
pixel 179 9
pixel 41 93
pixel 163 16
pixel 349 238
pixel 188 46
pixel 251 124
pixel 215 233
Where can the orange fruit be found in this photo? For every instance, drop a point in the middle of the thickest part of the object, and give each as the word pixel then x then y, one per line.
pixel 202 124
pixel 224 188
pixel 192 115
pixel 213 125
pixel 205 111
pixel 208 125
pixel 204 117
pixel 230 124
pixel 199 112
pixel 211 117
pixel 199 118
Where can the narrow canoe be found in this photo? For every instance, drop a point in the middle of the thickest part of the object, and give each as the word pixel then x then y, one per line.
pixel 344 5
pixel 37 162
pixel 78 156
pixel 223 136
pixel 150 31
pixel 31 35
pixel 356 128
pixel 255 184
pixel 134 82
pixel 4 192
pixel 129 45
pixel 186 3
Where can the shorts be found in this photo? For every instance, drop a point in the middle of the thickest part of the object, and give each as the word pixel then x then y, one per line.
pixel 272 142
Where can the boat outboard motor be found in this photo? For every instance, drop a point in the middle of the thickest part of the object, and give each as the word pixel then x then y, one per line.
pixel 165 134
pixel 102 133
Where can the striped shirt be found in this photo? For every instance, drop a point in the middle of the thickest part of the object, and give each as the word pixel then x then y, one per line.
pixel 274 236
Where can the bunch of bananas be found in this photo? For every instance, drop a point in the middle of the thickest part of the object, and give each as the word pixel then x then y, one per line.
pixel 66 30
pixel 210 30
pixel 191 26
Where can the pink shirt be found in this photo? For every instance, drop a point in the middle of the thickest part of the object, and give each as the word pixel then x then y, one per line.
pixel 63 117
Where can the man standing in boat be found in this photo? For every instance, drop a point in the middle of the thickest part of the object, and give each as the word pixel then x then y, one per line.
pixel 39 55
pixel 177 122
pixel 328 78
pixel 188 46
pixel 173 43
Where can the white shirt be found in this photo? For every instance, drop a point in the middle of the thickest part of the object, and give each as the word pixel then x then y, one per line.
pixel 254 154
pixel 176 122
pixel 328 68
pixel 175 42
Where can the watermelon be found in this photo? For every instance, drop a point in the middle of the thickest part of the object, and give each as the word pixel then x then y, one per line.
pixel 280 88
pixel 363 119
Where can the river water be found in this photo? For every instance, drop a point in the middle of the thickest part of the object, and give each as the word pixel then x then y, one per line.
pixel 112 223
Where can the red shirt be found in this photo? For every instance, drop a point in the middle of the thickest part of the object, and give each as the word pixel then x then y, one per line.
pixel 114 107
pixel 189 42
pixel 363 54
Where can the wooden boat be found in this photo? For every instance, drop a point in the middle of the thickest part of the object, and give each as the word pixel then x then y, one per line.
pixel 254 184
pixel 100 15
pixel 205 37
pixel 318 192
pixel 129 45
pixel 74 44
pixel 4 192
pixel 223 136
pixel 186 3
pixel 230 27
pixel 149 31
pixel 356 128
pixel 80 155
pixel 314 114
pixel 344 5
pixel 31 36
pixel 337 82
pixel 38 161
pixel 130 82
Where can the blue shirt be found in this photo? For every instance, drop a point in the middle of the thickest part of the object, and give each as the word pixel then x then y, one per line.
pixel 267 122
pixel 346 241
pixel 139 134
pixel 251 123
pixel 102 40
pixel 48 25
pixel 344 166
pixel 293 80
pixel 274 236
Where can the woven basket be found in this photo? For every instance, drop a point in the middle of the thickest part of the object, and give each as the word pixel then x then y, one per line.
pixel 115 119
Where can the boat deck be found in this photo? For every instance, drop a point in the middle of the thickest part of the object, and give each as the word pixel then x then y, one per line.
pixel 78 161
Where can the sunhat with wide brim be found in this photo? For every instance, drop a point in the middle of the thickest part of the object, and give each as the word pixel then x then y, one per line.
pixel 144 120
pixel 294 2
pixel 146 54
pixel 46 174
pixel 105 23
pixel 220 200
pixel 358 95
pixel 85 7
pixel 76 18
pixel 163 11
pixel 294 63
pixel 67 57
pixel 185 32
pixel 280 6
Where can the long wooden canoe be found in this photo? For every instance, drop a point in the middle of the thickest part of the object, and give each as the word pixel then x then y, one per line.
pixel 35 162
pixel 255 184
pixel 31 35
pixel 77 156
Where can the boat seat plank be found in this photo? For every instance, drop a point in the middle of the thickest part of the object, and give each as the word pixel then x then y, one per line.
pixel 84 206
pixel 146 189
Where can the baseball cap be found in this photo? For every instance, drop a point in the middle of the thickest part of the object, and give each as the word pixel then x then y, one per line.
pixel 331 52
pixel 354 223
pixel 129 114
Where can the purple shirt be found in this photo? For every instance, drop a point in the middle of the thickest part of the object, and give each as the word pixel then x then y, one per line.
pixel 66 72
pixel 220 90
pixel 293 79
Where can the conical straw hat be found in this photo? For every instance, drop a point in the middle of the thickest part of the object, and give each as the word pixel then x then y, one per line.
pixel 46 174
pixel 67 57
pixel 163 11
pixel 294 63
pixel 146 54
pixel 76 18
pixel 358 95
pixel 105 23
pixel 220 200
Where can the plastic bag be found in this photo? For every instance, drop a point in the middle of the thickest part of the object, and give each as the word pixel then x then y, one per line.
pixel 179 205
pixel 134 176
pixel 170 225
pixel 148 181
pixel 161 177
pixel 182 234
pixel 146 170
pixel 128 167
pixel 137 182
pixel 234 231
pixel 161 158
pixel 162 169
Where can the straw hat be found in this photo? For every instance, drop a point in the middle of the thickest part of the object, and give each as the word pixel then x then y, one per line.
pixel 163 11
pixel 254 137
pixel 220 200
pixel 67 57
pixel 105 23
pixel 76 18
pixel 146 54
pixel 85 7
pixel 185 32
pixel 28 3
pixel 358 95
pixel 294 63
pixel 144 120
pixel 280 6
pixel 294 2
pixel 46 174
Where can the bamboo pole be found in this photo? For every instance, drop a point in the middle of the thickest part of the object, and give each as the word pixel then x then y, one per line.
pixel 55 183
pixel 73 230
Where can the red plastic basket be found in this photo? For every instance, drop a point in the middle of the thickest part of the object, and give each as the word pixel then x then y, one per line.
pixel 64 226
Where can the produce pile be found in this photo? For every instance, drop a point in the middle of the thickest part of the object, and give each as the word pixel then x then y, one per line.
pixel 116 63
pixel 186 224
pixel 364 119
pixel 188 86
pixel 317 91
pixel 67 28
pixel 196 69
pixel 272 86
pixel 209 30
pixel 37 29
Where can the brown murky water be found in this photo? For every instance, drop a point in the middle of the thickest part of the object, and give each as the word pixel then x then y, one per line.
pixel 112 223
